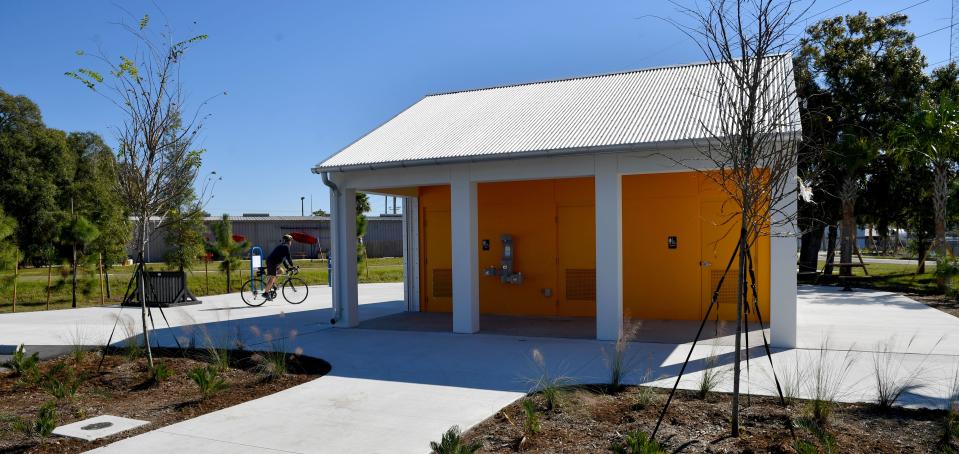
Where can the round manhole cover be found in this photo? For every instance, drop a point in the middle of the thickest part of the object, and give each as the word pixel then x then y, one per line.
pixel 97 426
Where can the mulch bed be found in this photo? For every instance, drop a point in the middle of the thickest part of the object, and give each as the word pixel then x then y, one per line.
pixel 947 304
pixel 592 420
pixel 122 388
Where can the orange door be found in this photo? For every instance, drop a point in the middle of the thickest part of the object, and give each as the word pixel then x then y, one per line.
pixel 576 279
pixel 438 266
pixel 659 281
pixel 720 230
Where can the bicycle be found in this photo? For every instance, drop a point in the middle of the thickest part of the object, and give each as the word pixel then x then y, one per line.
pixel 294 289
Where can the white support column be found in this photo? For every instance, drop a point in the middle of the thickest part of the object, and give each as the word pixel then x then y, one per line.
pixel 344 258
pixel 782 276
pixel 411 254
pixel 463 216
pixel 609 248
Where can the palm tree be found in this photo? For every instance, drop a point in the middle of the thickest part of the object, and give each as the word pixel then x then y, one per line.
pixel 930 138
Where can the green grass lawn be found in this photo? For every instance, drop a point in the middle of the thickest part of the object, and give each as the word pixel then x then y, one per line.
pixel 886 276
pixel 32 282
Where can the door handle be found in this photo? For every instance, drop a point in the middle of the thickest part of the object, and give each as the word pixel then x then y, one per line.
pixel 705 263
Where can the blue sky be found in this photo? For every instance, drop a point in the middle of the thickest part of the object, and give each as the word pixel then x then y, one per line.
pixel 305 79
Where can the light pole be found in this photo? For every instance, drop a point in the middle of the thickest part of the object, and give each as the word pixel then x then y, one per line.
pixel 301 205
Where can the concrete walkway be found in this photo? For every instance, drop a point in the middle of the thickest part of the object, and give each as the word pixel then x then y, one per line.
pixel 394 391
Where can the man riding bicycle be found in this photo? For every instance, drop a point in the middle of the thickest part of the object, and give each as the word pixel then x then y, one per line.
pixel 279 256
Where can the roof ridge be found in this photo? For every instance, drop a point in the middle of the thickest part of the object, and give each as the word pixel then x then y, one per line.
pixel 588 76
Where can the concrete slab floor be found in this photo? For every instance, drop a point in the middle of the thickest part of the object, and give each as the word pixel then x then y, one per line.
pixel 383 379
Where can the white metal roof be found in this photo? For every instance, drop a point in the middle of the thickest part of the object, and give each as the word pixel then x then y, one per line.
pixel 595 113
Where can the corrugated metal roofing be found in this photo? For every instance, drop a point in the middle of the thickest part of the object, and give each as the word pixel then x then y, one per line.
pixel 647 106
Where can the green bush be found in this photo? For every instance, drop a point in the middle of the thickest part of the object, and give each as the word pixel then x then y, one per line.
pixel 208 379
pixel 42 425
pixel 61 382
pixel 531 422
pixel 453 443
pixel 638 443
pixel 21 364
pixel 159 372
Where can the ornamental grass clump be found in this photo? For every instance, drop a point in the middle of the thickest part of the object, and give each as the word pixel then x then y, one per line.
pixel 892 377
pixel 549 386
pixel 712 376
pixel 828 378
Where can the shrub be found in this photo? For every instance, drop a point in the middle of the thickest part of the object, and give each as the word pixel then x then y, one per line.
pixel 891 378
pixel 160 372
pixel 42 425
pixel 208 379
pixel 712 376
pixel 270 365
pixel 531 421
pixel 61 382
pixel 638 443
pixel 21 364
pixel 452 443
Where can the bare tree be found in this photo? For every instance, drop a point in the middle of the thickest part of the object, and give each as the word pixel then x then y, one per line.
pixel 157 164
pixel 751 131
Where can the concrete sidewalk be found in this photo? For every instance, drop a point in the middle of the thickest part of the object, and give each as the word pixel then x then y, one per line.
pixel 394 391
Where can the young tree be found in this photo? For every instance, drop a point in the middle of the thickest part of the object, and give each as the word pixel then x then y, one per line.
pixel 157 164
pixel 227 249
pixel 185 236
pixel 362 207
pixel 872 72
pixel 753 129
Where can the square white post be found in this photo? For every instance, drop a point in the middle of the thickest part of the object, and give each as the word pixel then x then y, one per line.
pixel 344 258
pixel 609 248
pixel 782 276
pixel 463 214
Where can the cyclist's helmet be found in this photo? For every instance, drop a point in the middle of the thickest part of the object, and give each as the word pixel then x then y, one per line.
pixel 287 237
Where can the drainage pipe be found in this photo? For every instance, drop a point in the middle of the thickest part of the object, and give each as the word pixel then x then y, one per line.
pixel 334 238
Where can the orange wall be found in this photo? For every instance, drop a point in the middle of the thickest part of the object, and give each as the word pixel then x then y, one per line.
pixel 553 229
pixel 674 284
pixel 552 225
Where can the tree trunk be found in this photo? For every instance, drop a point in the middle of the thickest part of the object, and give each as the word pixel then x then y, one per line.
pixel 106 277
pixel 940 195
pixel 922 251
pixel 847 230
pixel 739 328
pixel 49 278
pixel 809 250
pixel 73 281
pixel 142 285
pixel 228 286
pixel 830 250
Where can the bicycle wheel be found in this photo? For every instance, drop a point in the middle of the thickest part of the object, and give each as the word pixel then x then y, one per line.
pixel 295 290
pixel 252 292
